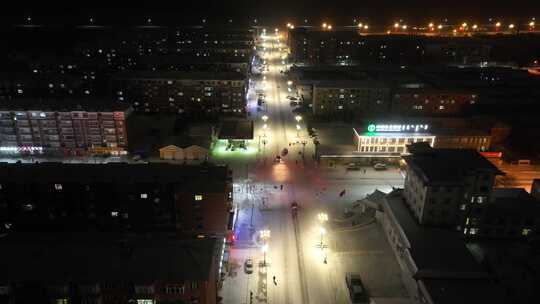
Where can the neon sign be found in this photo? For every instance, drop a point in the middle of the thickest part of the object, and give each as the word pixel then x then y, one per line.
pixel 397 128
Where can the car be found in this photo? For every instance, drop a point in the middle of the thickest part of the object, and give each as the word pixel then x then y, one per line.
pixel 353 166
pixel 356 289
pixel 379 166
pixel 248 266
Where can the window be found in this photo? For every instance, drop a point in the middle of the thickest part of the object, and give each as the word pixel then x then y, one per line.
pixel 198 197
pixel 145 301
pixel 114 213
pixel 58 186
pixel 525 231
pixel 481 199
pixel 174 289
pixel 61 301
pixel 144 195
pixel 194 285
pixel 473 231
pixel 463 207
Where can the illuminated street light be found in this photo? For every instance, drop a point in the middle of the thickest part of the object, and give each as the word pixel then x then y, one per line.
pixel 276 30
pixel 431 24
pixel 322 232
pixel 322 217
pixel 289 83
pixel 440 27
pixel 265 235
pixel 289 25
pixel 298 130
pixel 366 26
pixel 511 26
pixel 464 24
pixel 329 27
pixel 360 25
pixel 475 26
pixel 404 27
pixel 298 118
pixel 324 25
pixel 396 25
pixel 264 118
pixel 531 24
pixel 498 25
pixel 292 27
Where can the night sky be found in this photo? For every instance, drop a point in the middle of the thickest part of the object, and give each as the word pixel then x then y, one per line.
pixel 272 12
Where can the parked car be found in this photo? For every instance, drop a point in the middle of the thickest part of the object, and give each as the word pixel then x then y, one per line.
pixel 248 266
pixel 356 289
pixel 380 166
pixel 353 166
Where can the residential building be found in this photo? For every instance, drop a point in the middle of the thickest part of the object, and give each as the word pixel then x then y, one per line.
pixel 104 268
pixel 455 188
pixel 193 93
pixel 431 102
pixel 436 266
pixel 444 187
pixel 63 126
pixel 358 98
pixel 116 197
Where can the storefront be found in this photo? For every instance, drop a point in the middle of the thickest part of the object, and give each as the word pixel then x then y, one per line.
pixel 390 139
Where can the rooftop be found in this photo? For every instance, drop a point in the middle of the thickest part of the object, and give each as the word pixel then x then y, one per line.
pixel 237 129
pixel 446 166
pixel 63 104
pixel 96 258
pixel 209 75
pixel 202 177
pixel 437 252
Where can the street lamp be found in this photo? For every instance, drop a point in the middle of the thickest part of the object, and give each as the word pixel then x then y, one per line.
pixel 264 128
pixel 298 118
pixel 323 232
pixel 264 118
pixel 265 235
pixel 289 82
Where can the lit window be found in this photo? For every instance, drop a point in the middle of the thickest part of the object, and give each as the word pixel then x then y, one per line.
pixel 144 195
pixel 526 231
pixel 441 107
pixel 198 197
pixel 58 186
pixel 467 221
pixel 61 301
pixel 473 231
pixel 463 207
pixel 114 213
pixel 145 301
pixel 481 199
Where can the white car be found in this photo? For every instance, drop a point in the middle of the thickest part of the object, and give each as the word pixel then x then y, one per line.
pixel 248 266
pixel 379 166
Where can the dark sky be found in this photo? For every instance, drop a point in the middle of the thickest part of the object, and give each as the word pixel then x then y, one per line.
pixel 274 11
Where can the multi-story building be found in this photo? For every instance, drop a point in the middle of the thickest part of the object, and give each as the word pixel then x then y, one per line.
pixel 190 200
pixel 206 93
pixel 455 188
pixel 431 102
pixel 354 97
pixel 63 126
pixel 107 269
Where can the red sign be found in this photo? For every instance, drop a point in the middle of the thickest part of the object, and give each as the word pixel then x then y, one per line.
pixel 491 154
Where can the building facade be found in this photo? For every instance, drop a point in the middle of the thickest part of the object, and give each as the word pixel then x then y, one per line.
pixel 116 197
pixel 41 129
pixel 198 93
pixel 101 269
pixel 429 102
pixel 390 139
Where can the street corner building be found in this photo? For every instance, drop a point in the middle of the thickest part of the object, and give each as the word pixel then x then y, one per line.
pixel 116 197
pixel 107 268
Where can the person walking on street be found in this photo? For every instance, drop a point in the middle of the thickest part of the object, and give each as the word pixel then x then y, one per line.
pixel 275 282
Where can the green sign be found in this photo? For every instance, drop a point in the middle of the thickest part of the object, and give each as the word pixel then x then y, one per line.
pixel 371 128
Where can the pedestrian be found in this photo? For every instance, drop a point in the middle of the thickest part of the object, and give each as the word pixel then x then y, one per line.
pixel 364 171
pixel 275 282
pixel 281 187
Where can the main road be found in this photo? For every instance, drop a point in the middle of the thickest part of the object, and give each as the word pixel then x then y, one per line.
pixel 297 269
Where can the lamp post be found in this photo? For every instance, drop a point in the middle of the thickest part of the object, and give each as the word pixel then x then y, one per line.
pixel 298 130
pixel 323 232
pixel 265 235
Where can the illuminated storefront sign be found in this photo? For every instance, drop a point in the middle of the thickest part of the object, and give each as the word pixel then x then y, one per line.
pixel 30 149
pixel 397 128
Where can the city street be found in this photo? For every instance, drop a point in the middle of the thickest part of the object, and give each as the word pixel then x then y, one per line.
pixel 307 257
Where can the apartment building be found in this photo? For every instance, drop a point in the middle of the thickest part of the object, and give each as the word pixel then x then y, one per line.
pixel 109 269
pixel 432 102
pixel 455 188
pixel 357 97
pixel 63 127
pixel 116 197
pixel 202 93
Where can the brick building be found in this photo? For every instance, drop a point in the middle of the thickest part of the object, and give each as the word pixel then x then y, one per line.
pixel 116 197
pixel 107 269
pixel 71 127
pixel 205 93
